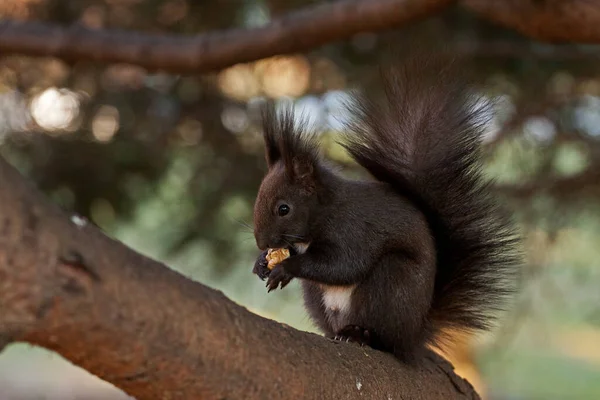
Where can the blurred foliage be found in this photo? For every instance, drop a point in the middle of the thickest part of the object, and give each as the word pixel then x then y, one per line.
pixel 171 164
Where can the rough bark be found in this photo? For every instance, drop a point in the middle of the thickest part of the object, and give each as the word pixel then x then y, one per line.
pixel 296 32
pixel 156 334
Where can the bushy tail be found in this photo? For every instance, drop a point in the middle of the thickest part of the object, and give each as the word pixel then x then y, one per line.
pixel 424 139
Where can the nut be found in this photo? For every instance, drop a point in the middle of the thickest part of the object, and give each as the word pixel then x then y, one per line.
pixel 275 256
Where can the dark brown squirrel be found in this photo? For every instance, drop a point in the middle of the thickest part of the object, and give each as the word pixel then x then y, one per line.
pixel 394 262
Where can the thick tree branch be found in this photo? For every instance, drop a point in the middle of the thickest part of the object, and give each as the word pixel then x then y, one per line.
pixel 549 20
pixel 156 334
pixel 296 32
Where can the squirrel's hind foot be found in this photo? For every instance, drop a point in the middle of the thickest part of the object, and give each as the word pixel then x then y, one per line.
pixel 354 334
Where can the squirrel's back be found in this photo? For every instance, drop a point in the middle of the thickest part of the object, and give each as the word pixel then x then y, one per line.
pixel 424 139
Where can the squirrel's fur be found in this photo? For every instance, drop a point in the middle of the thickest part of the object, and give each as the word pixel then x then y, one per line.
pixel 392 263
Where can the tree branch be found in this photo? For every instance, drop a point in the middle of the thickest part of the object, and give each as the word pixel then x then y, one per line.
pixel 156 334
pixel 296 32
pixel 577 187
pixel 548 20
pixel 551 20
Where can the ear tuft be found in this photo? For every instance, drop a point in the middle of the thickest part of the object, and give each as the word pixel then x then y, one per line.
pixel 288 139
pixel 271 134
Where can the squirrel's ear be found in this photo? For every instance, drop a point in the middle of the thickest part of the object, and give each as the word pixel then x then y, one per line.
pixel 303 172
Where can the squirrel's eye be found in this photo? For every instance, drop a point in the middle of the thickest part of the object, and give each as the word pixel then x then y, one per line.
pixel 283 210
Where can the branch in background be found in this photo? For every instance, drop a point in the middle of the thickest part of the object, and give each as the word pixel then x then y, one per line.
pixel 156 334
pixel 296 32
pixel 526 50
pixel 527 108
pixel 552 20
pixel 586 183
pixel 549 20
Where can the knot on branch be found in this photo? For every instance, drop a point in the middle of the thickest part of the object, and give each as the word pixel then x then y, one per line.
pixel 78 274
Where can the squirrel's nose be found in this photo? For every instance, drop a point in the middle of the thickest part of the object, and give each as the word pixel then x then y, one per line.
pixel 261 243
pixel 265 242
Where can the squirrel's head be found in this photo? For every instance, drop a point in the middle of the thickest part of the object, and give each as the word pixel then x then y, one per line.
pixel 287 198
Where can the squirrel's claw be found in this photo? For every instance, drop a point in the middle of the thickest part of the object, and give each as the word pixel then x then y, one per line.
pixel 354 334
pixel 278 276
pixel 261 266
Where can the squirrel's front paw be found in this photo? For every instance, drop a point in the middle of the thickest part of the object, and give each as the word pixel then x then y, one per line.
pixel 261 268
pixel 278 276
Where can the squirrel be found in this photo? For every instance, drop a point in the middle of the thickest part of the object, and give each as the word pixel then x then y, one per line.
pixel 395 261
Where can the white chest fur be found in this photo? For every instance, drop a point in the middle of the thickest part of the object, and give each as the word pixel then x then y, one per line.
pixel 337 302
pixel 336 299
